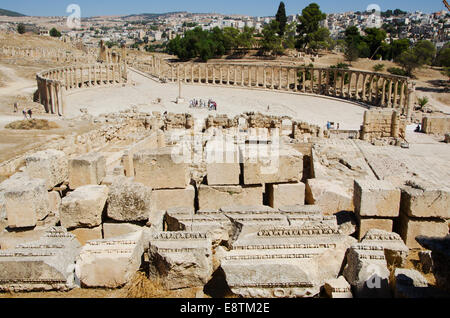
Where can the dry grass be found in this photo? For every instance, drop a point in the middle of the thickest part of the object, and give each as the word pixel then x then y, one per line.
pixel 38 124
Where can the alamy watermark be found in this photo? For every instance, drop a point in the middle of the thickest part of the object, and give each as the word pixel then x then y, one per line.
pixel 74 19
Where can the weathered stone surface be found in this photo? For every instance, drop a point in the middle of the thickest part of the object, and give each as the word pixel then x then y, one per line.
pixel 338 288
pixel 331 196
pixel 395 250
pixel 410 228
pixel 270 164
pixel 50 165
pixel 157 169
pixel 217 226
pixel 367 224
pixel 110 263
pixel 129 201
pixel 174 198
pixel 46 264
pixel 54 202
pixel 376 198
pixel 26 202
pixel 113 230
pixel 285 261
pixel 89 169
pixel 409 283
pixel 214 198
pixel 85 235
pixel 2 206
pixel 440 253
pixel 181 259
pixel 424 200
pixel 84 207
pixel 367 271
pixel 439 125
pixel 347 222
pixel 281 195
pixel 223 173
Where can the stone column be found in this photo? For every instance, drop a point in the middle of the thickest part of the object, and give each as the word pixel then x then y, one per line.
pixel 242 75
pixel 411 99
pixel 402 95
pixel 371 88
pixel 350 76
pixel 320 82
pixel 395 125
pixel 272 77
pixel 221 75
pixel 395 104
pixel 288 76
pixel 249 76
pixel 342 83
pixel 335 82
pixel 265 77
pixel 383 95
pixel 327 85
pixel 213 75
pixel 229 68
pixel 364 88
pixel 53 97
pixel 257 76
pixel 280 75
pixel 296 79
pixel 390 94
pixel 235 75
pixel 357 86
pixel 206 74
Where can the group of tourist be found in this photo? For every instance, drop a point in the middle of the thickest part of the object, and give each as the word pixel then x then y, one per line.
pixel 199 103
pixel 27 114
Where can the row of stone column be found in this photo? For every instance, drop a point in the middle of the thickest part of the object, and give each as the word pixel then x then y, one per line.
pixel 371 88
pixel 53 84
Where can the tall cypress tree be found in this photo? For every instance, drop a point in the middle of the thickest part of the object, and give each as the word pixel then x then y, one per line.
pixel 281 18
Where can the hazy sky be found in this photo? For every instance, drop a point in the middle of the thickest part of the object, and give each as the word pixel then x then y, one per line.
pixel 247 7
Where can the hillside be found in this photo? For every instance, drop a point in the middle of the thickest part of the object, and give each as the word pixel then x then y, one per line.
pixel 8 13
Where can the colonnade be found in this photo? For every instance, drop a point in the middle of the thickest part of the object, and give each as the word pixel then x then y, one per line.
pixel 53 84
pixel 370 88
pixel 60 55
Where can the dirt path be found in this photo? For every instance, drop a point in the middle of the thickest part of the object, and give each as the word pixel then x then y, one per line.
pixel 15 84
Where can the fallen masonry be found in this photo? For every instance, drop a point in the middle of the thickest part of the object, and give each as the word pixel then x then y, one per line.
pixel 46 264
pixel 194 202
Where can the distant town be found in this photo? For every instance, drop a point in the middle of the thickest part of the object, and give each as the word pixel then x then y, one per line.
pixel 152 31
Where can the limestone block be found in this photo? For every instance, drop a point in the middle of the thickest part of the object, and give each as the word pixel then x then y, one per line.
pixel 85 235
pixel 289 194
pixel 395 250
pixel 270 164
pixel 216 197
pixel 367 224
pixel 110 263
pixel 376 198
pixel 163 200
pixel 410 228
pixel 285 261
pixel 331 196
pixel 84 207
pixel 113 230
pixel 26 202
pixel 50 165
pixel 158 170
pixel 223 173
pixel 45 264
pixel 338 288
pixel 425 201
pixel 89 169
pixel 367 271
pixel 409 283
pixel 54 200
pixel 181 259
pixel 129 201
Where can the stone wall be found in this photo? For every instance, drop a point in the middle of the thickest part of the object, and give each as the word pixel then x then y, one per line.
pixel 380 124
pixel 436 125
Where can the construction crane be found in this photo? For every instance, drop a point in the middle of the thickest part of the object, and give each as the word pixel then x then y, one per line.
pixel 447 5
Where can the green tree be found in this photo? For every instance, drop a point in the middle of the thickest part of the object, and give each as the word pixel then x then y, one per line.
pixel 281 19
pixel 21 28
pixel 443 57
pixel 320 40
pixel 425 51
pixel 246 40
pixel 398 47
pixel 271 43
pixel 375 38
pixel 309 23
pixel 55 33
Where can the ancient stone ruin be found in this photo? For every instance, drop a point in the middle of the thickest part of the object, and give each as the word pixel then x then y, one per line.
pixel 265 205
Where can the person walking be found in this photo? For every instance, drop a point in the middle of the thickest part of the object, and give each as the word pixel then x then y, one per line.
pixel 16 107
pixel 24 112
pixel 30 113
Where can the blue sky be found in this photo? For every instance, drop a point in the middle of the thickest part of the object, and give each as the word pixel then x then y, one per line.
pixel 248 7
